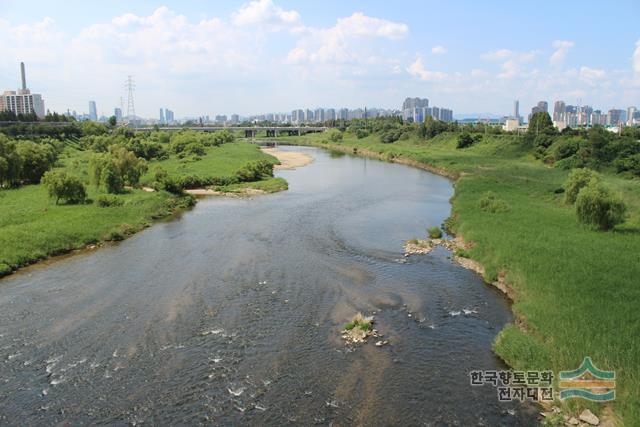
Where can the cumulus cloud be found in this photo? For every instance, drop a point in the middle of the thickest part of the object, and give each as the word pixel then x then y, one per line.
pixel 265 13
pixel 561 49
pixel 438 50
pixel 417 69
pixel 591 73
pixel 350 40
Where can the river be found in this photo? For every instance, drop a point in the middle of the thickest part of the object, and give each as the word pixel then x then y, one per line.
pixel 231 313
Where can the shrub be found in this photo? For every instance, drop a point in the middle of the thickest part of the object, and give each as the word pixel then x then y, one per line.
pixel 362 133
pixel 255 171
pixel 61 186
pixel 335 135
pixel 109 201
pixel 597 206
pixel 464 140
pixel 577 179
pixel 434 232
pixel 489 202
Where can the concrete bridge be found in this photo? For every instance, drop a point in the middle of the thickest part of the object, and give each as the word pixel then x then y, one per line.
pixel 249 131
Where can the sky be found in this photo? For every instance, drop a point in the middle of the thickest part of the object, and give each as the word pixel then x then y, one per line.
pixel 251 57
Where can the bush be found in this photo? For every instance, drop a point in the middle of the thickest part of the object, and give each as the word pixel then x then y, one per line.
pixel 335 135
pixel 577 179
pixel 109 201
pixel 489 202
pixel 61 186
pixel 464 140
pixel 434 232
pixel 362 133
pixel 255 171
pixel 597 206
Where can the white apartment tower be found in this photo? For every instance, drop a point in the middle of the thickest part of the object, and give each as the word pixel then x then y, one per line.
pixel 22 101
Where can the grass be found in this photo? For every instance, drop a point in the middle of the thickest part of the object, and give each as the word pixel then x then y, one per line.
pixel 218 162
pixel 576 290
pixel 33 227
pixel 360 322
pixel 269 185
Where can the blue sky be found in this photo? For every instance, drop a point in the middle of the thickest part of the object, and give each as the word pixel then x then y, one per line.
pixel 203 57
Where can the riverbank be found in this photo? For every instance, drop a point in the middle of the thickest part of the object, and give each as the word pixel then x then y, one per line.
pixel 33 227
pixel 559 273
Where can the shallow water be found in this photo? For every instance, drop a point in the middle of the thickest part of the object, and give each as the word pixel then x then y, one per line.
pixel 231 314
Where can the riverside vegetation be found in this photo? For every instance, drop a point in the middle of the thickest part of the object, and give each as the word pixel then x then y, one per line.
pixel 66 187
pixel 535 212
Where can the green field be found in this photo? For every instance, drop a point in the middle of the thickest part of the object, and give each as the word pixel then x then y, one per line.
pixel 576 290
pixel 33 227
pixel 219 162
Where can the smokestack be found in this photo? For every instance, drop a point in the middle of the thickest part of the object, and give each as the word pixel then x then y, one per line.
pixel 24 79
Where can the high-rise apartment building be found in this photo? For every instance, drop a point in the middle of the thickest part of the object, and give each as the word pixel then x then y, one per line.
pixel 22 101
pixel 559 109
pixel 117 112
pixel 410 104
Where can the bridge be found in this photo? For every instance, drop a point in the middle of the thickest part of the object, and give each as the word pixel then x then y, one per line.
pixel 249 131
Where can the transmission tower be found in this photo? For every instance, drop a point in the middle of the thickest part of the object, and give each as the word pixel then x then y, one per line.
pixel 130 86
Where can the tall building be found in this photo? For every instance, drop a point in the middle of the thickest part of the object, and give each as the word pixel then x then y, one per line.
pixel 161 118
pixel 516 110
pixel 559 109
pixel 541 107
pixel 410 104
pixel 235 119
pixel 93 112
pixel 614 117
pixel 168 116
pixel 118 113
pixel 343 114
pixel 631 111
pixel 330 114
pixel 22 101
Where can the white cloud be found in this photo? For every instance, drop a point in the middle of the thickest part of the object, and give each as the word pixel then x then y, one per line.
pixel 478 72
pixel 561 49
pixel 636 58
pixel 438 50
pixel 591 73
pixel 267 14
pixel 351 40
pixel 417 69
pixel 496 55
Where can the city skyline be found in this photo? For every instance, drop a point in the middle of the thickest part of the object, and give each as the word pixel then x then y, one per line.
pixel 273 55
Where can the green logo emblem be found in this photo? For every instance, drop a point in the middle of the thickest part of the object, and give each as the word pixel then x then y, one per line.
pixel 588 382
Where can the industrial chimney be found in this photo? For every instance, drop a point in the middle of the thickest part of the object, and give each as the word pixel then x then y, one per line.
pixel 24 79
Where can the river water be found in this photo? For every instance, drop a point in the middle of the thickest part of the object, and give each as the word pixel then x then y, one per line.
pixel 230 314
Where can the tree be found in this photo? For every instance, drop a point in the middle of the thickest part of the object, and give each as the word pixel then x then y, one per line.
pixel 597 206
pixel 113 121
pixel 36 160
pixel 62 186
pixel 10 162
pixel 116 168
pixel 576 181
pixel 540 123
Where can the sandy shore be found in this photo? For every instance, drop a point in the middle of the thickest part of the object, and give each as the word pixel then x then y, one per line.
pixel 289 159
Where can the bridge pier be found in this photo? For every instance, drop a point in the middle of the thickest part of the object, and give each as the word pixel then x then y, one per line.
pixel 249 133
